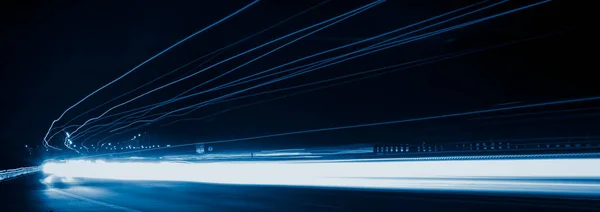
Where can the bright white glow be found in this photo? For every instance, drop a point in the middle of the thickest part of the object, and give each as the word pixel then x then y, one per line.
pixel 274 154
pixel 109 144
pixel 168 145
pixel 139 135
pixel 467 175
pixel 49 179
pixel 158 145
pixel 74 145
pixel 25 145
pixel 67 180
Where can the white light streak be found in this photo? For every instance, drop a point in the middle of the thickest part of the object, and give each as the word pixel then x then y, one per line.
pixel 534 176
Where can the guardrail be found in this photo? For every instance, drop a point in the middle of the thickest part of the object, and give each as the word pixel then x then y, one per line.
pixel 13 173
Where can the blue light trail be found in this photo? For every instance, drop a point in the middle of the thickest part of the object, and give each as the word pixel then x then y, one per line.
pixel 530 176
pixel 397 43
pixel 45 143
pixel 263 55
pixel 436 58
pixel 230 84
pixel 351 13
pixel 348 14
pixel 394 68
pixel 223 86
pixel 64 126
pixel 178 97
pixel 392 45
pixel 494 16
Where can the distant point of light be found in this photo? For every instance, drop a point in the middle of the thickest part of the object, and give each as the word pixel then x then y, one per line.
pixel 168 145
pixel 109 144
pixel 139 135
pixel 26 146
pixel 510 175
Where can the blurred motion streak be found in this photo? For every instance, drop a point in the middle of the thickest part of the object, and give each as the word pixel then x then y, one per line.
pixel 574 176
pixel 13 173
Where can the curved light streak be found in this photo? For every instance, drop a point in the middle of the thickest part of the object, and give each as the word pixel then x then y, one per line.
pixel 138 66
pixel 238 55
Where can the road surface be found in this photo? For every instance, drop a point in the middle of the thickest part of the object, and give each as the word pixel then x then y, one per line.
pixel 29 193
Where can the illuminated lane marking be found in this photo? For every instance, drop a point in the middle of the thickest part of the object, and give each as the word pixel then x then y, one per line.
pixel 116 207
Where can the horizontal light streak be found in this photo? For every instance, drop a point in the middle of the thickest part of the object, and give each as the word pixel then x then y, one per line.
pixel 557 176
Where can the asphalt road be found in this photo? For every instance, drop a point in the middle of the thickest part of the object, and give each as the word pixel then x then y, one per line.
pixel 30 194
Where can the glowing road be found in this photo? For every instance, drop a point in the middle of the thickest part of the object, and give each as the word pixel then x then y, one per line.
pixel 559 176
pixel 29 194
pixel 532 182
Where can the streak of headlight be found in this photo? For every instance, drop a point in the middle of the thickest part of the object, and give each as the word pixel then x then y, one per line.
pixel 141 64
pixel 365 40
pixel 393 68
pixel 320 66
pixel 341 18
pixel 263 55
pixel 545 118
pixel 535 113
pixel 292 75
pixel 203 104
pixel 337 48
pixel 177 98
pixel 457 26
pixel 218 50
pixel 424 61
pixel 191 62
pixel 64 126
pixel 377 123
pixel 351 13
pixel 554 176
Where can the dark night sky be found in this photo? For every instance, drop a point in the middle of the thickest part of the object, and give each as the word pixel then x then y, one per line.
pixel 53 54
